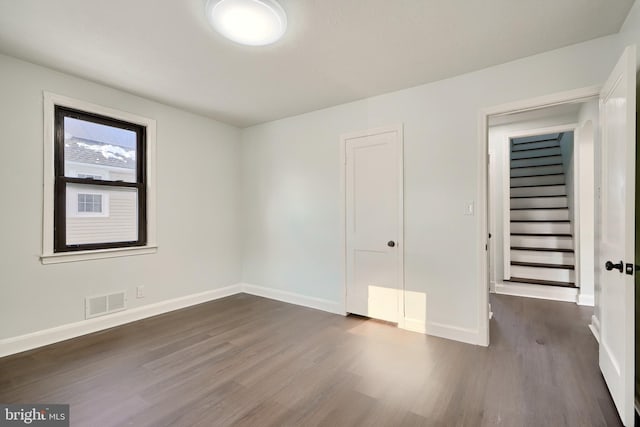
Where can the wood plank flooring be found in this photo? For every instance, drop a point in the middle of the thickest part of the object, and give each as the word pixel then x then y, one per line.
pixel 249 361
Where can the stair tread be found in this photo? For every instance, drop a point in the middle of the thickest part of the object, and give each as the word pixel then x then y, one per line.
pixel 542 282
pixel 543 265
pixel 527 209
pixel 517 144
pixel 543 195
pixel 542 174
pixel 540 220
pixel 533 149
pixel 528 248
pixel 534 166
pixel 543 234
pixel 538 185
pixel 535 157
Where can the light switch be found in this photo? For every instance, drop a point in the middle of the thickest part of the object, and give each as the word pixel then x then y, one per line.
pixel 469 208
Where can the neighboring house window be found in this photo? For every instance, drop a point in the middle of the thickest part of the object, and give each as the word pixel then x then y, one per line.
pixel 85 175
pixel 116 150
pixel 89 203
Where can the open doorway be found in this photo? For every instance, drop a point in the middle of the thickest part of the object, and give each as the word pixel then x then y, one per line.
pixel 542 181
pixel 613 215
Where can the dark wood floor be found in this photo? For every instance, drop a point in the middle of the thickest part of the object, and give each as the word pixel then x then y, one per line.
pixel 250 361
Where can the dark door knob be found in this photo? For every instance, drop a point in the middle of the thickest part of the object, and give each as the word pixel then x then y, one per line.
pixel 391 243
pixel 610 266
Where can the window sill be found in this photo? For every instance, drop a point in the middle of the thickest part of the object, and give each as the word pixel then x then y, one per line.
pixel 56 258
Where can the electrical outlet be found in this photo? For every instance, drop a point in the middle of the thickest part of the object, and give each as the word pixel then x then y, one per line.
pixel 140 291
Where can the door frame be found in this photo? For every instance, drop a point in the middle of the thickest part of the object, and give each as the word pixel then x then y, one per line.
pixel 559 98
pixel 398 129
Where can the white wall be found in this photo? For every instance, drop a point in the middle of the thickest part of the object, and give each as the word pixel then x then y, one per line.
pixel 568 166
pixel 586 140
pixel 198 229
pixel 630 31
pixel 499 150
pixel 290 181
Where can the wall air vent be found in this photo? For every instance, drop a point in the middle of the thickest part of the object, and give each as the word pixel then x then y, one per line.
pixel 104 304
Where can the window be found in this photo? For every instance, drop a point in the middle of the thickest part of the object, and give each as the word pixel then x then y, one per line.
pixel 87 139
pixel 97 189
pixel 89 203
pixel 85 175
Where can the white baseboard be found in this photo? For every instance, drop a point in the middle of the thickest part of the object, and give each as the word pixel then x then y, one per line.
pixel 469 336
pixel 294 298
pixel 413 325
pixel 587 300
pixel 555 293
pixel 44 337
pixel 496 285
pixel 492 287
pixel 595 327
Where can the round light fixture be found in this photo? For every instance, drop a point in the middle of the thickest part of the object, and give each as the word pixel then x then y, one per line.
pixel 248 22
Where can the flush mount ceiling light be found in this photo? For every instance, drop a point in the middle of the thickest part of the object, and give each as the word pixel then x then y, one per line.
pixel 249 22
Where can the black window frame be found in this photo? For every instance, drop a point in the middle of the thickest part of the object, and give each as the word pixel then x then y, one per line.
pixel 61 181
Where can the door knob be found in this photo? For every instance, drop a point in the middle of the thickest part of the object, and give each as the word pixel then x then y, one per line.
pixel 391 243
pixel 610 266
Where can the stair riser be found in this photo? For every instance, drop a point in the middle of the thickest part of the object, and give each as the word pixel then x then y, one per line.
pixel 543 170
pixel 546 144
pixel 541 227
pixel 542 214
pixel 553 242
pixel 538 180
pixel 555 151
pixel 537 161
pixel 556 190
pixel 543 257
pixel 540 202
pixel 543 273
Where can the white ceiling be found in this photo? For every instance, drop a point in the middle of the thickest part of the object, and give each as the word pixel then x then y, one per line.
pixel 335 51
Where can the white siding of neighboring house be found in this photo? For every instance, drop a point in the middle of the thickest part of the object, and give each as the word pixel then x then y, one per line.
pixel 122 176
pixel 119 219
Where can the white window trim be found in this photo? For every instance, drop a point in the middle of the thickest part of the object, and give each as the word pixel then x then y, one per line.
pixel 48 256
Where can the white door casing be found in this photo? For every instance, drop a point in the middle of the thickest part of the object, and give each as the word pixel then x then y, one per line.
pixel 617 116
pixel 571 96
pixel 373 223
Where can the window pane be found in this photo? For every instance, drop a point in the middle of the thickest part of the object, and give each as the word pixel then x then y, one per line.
pixel 86 175
pixel 98 214
pixel 97 151
pixel 89 203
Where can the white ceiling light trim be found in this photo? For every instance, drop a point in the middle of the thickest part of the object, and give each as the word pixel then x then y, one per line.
pixel 248 22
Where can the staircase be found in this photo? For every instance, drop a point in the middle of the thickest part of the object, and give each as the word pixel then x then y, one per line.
pixel 541 240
